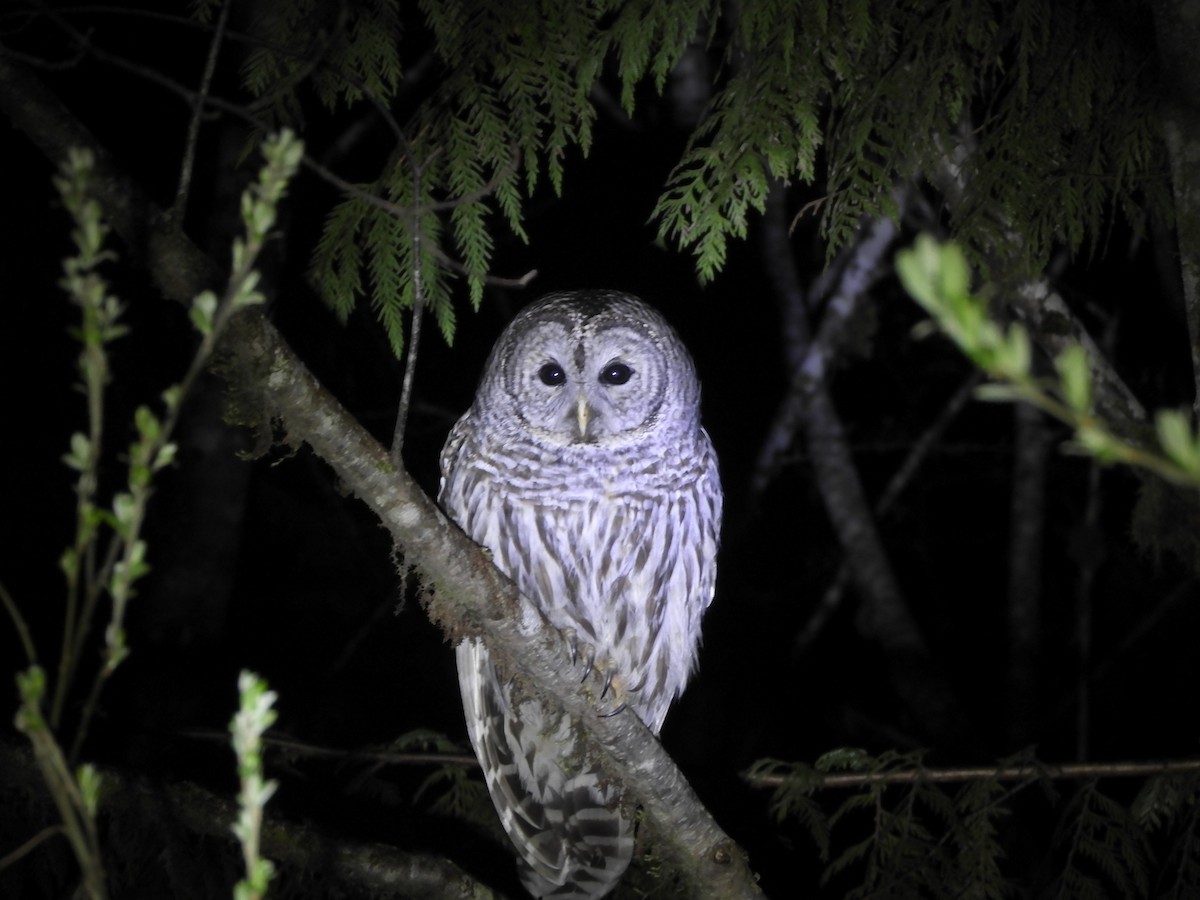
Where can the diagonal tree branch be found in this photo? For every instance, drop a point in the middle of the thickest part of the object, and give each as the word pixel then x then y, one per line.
pixel 1178 30
pixel 808 409
pixel 467 596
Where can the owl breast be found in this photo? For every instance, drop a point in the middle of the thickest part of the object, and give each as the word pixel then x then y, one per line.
pixel 613 549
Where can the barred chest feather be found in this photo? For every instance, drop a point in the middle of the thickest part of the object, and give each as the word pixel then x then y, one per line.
pixel 618 552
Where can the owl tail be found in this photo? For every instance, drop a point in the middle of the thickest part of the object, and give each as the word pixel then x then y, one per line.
pixel 567 826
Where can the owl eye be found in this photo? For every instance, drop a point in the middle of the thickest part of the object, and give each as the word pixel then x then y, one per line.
pixel 552 373
pixel 615 373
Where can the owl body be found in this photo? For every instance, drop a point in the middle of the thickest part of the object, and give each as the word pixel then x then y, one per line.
pixel 583 468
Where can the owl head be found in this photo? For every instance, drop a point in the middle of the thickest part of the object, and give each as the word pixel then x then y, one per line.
pixel 590 368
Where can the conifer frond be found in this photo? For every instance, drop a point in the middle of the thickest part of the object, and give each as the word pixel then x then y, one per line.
pixel 860 95
pixel 975 836
pixel 1181 868
pixel 793 798
pixel 1106 851
pixel 1164 798
pixel 341 48
pixel 337 262
pixel 649 38
pixel 887 94
pixel 764 124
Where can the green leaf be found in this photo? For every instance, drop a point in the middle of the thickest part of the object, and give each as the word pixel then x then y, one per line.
pixel 204 308
pixel 89 787
pixel 31 685
pixel 998 393
pixel 147 423
pixel 124 510
pixel 80 453
pixel 1177 439
pixel 954 273
pixel 166 456
pixel 1076 378
pixel 1013 354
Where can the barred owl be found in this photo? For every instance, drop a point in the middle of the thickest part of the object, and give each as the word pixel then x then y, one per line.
pixel 583 468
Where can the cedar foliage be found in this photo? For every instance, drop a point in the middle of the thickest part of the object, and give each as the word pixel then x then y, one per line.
pixel 1045 108
pixel 921 838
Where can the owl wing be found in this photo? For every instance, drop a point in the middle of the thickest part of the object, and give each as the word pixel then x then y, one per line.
pixel 568 828
pixel 573 841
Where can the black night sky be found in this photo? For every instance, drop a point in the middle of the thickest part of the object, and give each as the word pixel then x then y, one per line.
pixel 268 565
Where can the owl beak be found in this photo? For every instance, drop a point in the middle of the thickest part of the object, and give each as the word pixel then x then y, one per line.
pixel 583 417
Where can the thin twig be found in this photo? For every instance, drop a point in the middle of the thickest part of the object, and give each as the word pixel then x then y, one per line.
pixel 189 148
pixel 1127 769
pixel 418 314
pixel 78 824
pixel 521 281
pixel 917 453
pixel 19 623
pixel 1033 440
pixel 45 834
pixel 257 41
pixel 1146 623
pixel 294 747
pixel 239 112
pixel 1083 616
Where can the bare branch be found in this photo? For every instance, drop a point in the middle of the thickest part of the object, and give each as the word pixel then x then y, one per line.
pixel 193 135
pixel 1139 769
pixel 295 748
pixel 808 406
pixel 917 454
pixel 1034 442
pixel 1178 32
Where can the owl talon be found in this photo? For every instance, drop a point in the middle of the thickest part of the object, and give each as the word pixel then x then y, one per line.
pixel 572 640
pixel 589 663
pixel 609 715
pixel 608 683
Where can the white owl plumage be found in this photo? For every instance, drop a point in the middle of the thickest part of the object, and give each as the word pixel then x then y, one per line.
pixel 582 466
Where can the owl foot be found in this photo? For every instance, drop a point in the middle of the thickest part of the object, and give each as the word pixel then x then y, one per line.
pixel 613 687
pixel 586 652
pixel 571 636
pixel 605 669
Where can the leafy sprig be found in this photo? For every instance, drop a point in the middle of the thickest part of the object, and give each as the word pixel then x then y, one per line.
pixel 254 716
pixel 108 556
pixel 938 277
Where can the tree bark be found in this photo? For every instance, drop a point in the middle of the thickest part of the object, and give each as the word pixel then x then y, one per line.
pixel 1033 442
pixel 1177 25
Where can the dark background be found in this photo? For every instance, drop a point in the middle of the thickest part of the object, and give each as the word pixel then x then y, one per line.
pixel 267 565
